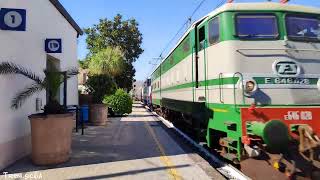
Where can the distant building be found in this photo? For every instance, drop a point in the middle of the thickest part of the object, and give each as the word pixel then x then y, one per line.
pixel 83 76
pixel 36 34
pixel 137 89
pixel 82 79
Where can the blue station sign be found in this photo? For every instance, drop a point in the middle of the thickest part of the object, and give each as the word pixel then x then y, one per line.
pixel 53 45
pixel 13 19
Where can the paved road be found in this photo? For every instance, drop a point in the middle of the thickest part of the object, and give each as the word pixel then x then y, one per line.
pixel 132 147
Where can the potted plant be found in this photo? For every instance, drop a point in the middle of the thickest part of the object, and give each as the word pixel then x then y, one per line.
pixel 103 66
pixel 99 86
pixel 51 131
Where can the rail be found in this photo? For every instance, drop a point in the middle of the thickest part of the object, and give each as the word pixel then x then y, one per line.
pixel 206 92
pixel 234 88
pixel 220 87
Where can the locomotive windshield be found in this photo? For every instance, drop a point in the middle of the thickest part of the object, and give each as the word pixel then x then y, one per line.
pixel 257 26
pixel 303 28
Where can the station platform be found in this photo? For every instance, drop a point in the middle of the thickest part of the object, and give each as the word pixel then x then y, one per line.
pixel 137 146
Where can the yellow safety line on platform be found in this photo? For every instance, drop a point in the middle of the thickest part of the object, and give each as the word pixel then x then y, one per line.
pixel 172 171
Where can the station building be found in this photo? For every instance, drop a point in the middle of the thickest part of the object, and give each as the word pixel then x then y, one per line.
pixel 33 34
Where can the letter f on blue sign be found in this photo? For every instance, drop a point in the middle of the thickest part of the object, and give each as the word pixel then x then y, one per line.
pixel 13 19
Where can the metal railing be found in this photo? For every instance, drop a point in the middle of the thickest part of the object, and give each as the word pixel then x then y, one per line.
pixel 240 75
pixel 76 109
pixel 220 87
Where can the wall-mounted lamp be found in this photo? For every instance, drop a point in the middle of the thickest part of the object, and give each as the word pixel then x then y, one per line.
pixel 38 104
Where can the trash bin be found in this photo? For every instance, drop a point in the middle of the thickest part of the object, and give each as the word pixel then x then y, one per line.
pixel 84 113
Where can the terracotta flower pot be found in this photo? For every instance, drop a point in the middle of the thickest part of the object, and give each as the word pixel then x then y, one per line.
pixel 98 114
pixel 51 137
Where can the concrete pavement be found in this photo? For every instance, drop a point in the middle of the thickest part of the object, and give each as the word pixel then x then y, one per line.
pixel 132 147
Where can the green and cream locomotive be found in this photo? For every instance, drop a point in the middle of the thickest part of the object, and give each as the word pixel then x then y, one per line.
pixel 246 79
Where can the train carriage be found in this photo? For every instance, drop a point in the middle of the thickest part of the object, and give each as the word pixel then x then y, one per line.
pixel 246 78
pixel 146 92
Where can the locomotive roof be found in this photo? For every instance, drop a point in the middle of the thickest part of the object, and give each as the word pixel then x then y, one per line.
pixel 264 6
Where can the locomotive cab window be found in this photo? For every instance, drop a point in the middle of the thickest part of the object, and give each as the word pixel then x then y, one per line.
pixel 214 31
pixel 257 26
pixel 202 37
pixel 303 28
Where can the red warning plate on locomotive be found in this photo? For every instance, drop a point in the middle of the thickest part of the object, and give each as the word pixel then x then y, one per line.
pixel 289 115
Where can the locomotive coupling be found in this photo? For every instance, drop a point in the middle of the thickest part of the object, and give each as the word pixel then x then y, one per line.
pixel 274 133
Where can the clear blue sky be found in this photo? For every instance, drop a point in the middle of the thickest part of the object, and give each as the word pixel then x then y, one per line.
pixel 159 21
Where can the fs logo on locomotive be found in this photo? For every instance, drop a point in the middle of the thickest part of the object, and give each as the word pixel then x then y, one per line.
pixel 287 68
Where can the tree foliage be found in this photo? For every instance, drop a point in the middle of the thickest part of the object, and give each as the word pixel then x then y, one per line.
pixel 125 79
pixel 107 61
pixel 99 86
pixel 120 33
pixel 84 64
pixel 116 33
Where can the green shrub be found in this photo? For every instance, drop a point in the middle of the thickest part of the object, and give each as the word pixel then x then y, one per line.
pixel 120 102
pixel 100 86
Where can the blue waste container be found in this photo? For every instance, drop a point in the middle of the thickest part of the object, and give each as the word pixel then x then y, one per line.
pixel 84 113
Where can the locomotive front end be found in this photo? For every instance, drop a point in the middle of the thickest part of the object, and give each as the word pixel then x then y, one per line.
pixel 245 79
pixel 279 85
pixel 262 70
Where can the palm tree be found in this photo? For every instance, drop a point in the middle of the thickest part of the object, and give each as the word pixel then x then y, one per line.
pixel 109 61
pixel 103 67
pixel 51 83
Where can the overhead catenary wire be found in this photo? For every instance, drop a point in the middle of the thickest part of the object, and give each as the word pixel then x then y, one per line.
pixel 167 46
pixel 186 25
pixel 182 27
pixel 221 3
pixel 196 9
pixel 173 38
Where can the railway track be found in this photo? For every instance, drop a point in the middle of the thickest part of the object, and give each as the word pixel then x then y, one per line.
pixel 226 169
